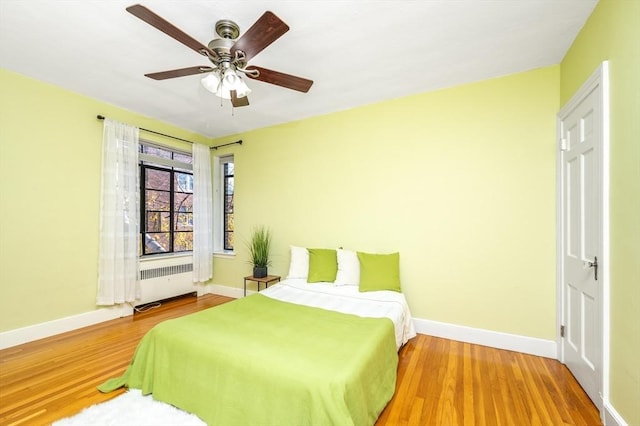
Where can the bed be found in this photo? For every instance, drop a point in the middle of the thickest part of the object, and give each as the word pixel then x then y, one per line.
pixel 293 354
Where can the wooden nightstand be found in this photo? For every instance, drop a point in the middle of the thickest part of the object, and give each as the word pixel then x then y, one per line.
pixel 265 280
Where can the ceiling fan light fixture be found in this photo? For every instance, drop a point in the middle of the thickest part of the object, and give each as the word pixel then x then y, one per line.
pixel 241 88
pixel 230 78
pixel 211 82
pixel 231 81
pixel 224 94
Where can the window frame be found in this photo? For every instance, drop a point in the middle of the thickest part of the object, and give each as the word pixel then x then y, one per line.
pixel 152 162
pixel 219 204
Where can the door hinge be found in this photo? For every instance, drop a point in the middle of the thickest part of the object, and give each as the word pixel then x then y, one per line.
pixel 562 331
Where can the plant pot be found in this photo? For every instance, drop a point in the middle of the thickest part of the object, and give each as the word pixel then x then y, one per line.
pixel 259 271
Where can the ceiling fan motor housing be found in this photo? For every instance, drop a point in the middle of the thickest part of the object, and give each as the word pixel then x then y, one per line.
pixel 226 28
pixel 222 47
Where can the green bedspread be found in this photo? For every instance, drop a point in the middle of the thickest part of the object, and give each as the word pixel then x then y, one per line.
pixel 260 361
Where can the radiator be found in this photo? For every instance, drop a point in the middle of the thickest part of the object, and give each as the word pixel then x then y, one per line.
pixel 164 279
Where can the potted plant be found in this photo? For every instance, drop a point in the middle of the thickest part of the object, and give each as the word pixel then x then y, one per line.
pixel 259 247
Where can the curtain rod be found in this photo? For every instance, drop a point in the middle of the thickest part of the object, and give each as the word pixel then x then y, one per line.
pixel 102 117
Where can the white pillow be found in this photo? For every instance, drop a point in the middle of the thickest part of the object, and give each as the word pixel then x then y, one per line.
pixel 299 266
pixel 348 268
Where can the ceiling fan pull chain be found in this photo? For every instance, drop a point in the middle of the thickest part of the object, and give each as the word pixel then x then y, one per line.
pixel 219 89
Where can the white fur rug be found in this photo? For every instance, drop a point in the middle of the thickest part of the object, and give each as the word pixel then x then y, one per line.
pixel 131 408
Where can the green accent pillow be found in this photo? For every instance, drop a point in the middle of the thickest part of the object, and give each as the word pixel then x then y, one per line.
pixel 323 265
pixel 379 271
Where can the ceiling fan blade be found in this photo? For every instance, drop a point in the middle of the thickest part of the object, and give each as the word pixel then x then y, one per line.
pixel 267 29
pixel 238 102
pixel 163 75
pixel 169 29
pixel 281 79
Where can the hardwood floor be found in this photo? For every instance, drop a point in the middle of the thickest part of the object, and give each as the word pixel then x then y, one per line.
pixel 445 382
pixel 440 381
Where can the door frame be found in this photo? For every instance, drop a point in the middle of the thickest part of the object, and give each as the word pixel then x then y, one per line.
pixel 599 78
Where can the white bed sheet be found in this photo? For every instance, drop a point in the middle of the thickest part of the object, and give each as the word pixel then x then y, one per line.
pixel 349 300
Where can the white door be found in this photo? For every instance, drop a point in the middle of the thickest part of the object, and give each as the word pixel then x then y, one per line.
pixel 581 131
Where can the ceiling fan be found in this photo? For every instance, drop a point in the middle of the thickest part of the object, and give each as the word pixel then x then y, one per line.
pixel 228 56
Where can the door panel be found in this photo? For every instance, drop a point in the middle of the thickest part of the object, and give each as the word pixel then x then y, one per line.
pixel 573 315
pixel 590 205
pixel 573 205
pixel 590 345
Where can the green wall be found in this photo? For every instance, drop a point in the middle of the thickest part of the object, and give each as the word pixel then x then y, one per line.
pixel 460 181
pixel 50 160
pixel 613 33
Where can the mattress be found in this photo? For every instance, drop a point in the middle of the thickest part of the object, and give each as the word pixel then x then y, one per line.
pixel 348 299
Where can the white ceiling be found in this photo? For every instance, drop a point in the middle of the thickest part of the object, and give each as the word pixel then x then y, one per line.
pixel 356 51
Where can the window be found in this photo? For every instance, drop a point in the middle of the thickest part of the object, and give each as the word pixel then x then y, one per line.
pixel 228 177
pixel 166 200
pixel 223 205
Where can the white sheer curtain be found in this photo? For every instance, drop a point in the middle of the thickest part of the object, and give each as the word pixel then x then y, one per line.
pixel 202 214
pixel 119 211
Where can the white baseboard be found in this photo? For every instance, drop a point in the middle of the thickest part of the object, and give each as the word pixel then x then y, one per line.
pixel 227 291
pixel 612 417
pixel 51 328
pixel 494 339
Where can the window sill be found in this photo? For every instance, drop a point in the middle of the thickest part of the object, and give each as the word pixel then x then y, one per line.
pixel 151 258
pixel 225 254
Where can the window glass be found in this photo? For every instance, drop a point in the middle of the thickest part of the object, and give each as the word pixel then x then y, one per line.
pixel 183 158
pixel 156 151
pixel 166 202
pixel 229 190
